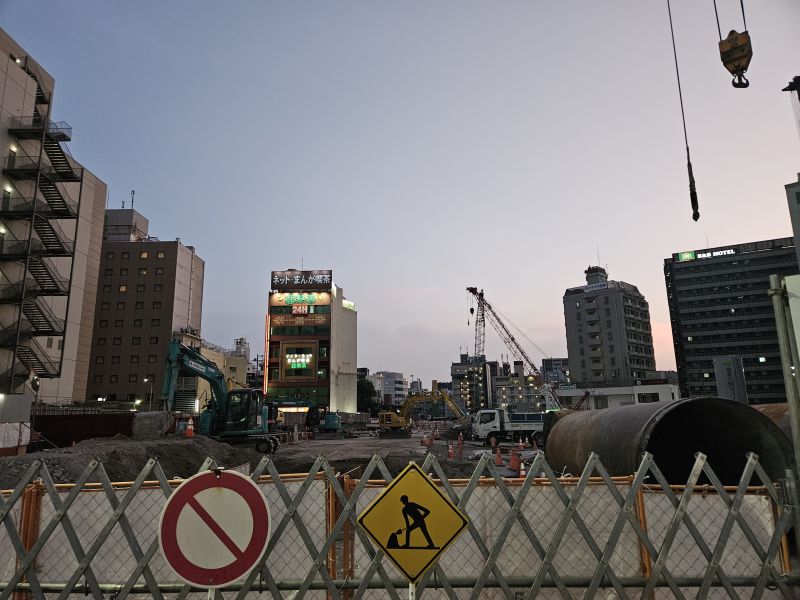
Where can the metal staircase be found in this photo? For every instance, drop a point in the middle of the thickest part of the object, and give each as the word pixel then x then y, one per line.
pixel 39 203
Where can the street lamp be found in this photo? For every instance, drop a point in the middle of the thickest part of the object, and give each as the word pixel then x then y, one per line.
pixel 150 399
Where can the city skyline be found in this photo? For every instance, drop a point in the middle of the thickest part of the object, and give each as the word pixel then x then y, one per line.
pixel 416 150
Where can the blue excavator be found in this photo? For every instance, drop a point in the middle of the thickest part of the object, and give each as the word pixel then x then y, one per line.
pixel 234 416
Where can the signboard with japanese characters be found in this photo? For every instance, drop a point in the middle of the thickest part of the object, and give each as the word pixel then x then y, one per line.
pixel 297 299
pixel 299 320
pixel 284 281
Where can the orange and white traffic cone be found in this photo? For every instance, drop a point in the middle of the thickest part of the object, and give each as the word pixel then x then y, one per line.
pixel 520 447
pixel 513 462
pixel 498 460
pixel 190 428
pixel 522 472
pixel 450 451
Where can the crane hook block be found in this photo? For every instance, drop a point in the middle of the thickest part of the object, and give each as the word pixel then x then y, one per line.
pixel 736 53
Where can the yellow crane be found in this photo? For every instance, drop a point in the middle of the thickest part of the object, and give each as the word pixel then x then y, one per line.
pixel 398 422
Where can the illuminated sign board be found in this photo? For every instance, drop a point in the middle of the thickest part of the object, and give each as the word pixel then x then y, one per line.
pixel 695 254
pixel 284 281
pixel 299 298
pixel 348 305
pixel 298 361
pixel 300 309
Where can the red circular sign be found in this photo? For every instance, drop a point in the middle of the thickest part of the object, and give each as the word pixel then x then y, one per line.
pixel 214 528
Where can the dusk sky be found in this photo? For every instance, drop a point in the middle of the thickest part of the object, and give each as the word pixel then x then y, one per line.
pixel 419 147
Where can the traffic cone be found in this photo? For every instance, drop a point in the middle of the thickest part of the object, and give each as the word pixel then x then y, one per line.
pixel 190 428
pixel 513 463
pixel 520 447
pixel 498 460
pixel 450 451
pixel 522 472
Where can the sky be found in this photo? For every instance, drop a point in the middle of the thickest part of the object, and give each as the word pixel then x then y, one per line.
pixel 416 148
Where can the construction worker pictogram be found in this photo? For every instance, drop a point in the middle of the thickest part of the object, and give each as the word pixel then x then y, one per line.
pixel 413 522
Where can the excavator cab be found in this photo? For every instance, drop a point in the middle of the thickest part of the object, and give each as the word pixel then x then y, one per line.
pixel 736 52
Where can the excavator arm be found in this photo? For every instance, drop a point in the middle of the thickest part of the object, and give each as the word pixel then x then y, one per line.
pixel 188 361
pixel 412 401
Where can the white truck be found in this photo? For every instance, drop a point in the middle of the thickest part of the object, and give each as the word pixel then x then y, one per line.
pixel 501 425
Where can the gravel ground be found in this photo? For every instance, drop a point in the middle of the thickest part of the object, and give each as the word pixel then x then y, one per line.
pixel 123 458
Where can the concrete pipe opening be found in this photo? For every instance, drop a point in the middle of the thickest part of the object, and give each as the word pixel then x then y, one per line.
pixel 724 430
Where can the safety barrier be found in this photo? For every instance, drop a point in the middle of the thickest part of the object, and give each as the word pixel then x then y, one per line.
pixel 543 536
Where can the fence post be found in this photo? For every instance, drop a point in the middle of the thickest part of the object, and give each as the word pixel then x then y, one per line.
pixel 30 516
pixel 348 546
pixel 641 515
pixel 331 516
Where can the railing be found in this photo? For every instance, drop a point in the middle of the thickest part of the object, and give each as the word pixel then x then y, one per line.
pixel 56 322
pixel 538 536
pixel 57 129
pixel 63 238
pixel 33 70
pixel 25 163
pixel 18 204
pixel 41 355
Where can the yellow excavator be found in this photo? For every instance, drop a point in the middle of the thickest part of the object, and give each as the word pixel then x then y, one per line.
pixel 399 422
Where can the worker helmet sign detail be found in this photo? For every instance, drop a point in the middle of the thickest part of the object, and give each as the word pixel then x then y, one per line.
pixel 413 522
pixel 214 528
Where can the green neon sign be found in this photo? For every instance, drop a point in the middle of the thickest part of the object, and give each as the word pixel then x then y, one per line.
pixel 684 256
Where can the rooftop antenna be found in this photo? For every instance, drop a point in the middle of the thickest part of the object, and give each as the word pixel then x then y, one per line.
pixel 133 193
pixel 123 204
pixel 598 254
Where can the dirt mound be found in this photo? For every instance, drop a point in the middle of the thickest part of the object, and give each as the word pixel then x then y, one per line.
pixel 123 458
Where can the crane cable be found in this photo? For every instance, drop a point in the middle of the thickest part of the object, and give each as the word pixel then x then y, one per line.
pixel 716 14
pixel 692 188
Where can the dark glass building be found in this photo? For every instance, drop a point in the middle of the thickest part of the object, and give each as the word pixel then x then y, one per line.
pixel 719 306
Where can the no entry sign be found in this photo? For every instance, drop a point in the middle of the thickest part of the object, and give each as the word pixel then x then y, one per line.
pixel 214 528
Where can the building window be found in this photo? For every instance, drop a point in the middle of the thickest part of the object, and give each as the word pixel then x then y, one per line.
pixel 154 340
pixel 108 272
pixel 126 255
pixel 155 322
pixel 762 359
pixel 120 306
pixel 123 272
pixel 136 341
pixel 99 360
pixel 601 401
pixel 140 287
pixel 133 378
pixel 134 359
pixel 117 322
pixel 105 306
pixel 142 270
pixel 115 360
pixel 139 305
pixel 159 270
pixel 152 358
pixel 158 287
pixel 157 304
pixel 103 323
pixel 117 341
pixel 101 341
pixel 109 256
pixel 143 254
pixel 106 288
pixel 161 254
pixel 98 379
pixel 113 379
pixel 123 288
pixel 137 322
pixel 49 342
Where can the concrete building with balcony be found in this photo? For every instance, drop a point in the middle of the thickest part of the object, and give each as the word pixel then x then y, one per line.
pixel 150 291
pixel 51 226
pixel 391 387
pixel 609 340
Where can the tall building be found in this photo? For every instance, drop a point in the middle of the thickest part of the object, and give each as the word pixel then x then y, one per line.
pixel 391 387
pixel 311 340
pixel 512 389
pixel 609 340
pixel 719 306
pixel 149 292
pixel 472 382
pixel 51 225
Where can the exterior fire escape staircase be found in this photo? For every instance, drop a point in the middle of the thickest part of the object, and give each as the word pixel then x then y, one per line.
pixel 49 171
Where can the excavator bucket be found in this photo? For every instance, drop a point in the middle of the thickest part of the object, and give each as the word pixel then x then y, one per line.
pixel 736 53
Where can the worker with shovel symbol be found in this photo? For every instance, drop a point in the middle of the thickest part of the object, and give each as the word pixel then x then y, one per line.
pixel 414 516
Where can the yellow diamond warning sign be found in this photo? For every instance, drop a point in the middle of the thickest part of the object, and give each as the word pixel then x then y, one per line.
pixel 413 522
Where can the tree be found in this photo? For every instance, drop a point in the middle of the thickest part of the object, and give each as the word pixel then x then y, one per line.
pixel 365 395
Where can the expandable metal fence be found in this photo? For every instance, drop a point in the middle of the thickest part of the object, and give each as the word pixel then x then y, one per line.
pixel 541 536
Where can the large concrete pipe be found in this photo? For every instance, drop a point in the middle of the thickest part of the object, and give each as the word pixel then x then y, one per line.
pixel 673 432
pixel 779 413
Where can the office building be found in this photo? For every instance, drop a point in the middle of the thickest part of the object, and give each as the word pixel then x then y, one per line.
pixel 149 292
pixel 609 340
pixel 311 340
pixel 51 225
pixel 391 387
pixel 472 382
pixel 719 306
pixel 512 389
pixel 555 370
pixel 639 392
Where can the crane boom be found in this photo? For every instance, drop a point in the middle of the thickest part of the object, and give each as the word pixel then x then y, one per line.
pixel 485 308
